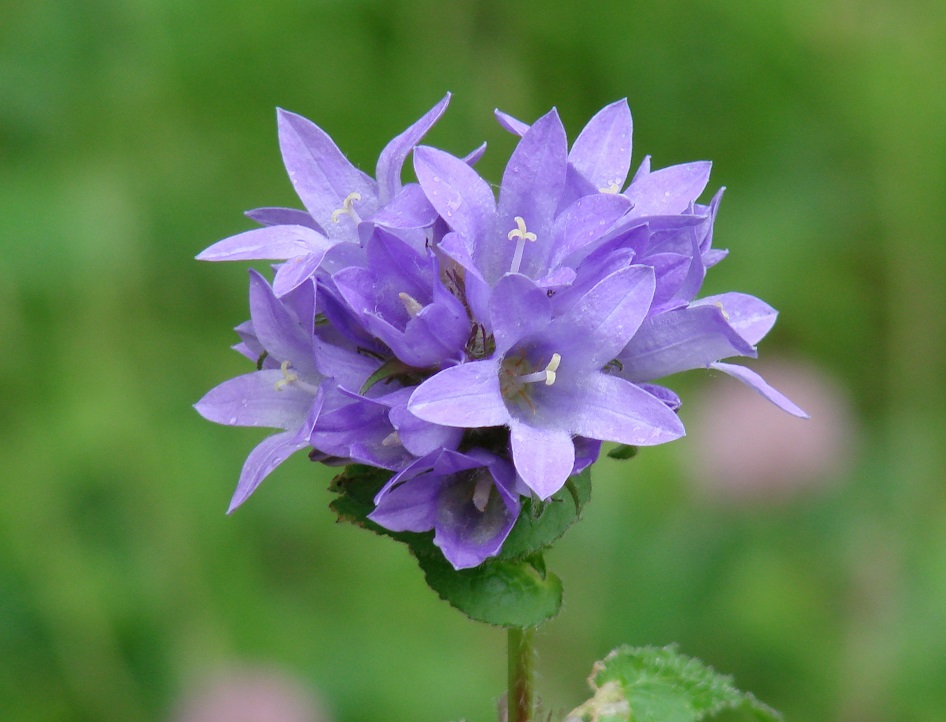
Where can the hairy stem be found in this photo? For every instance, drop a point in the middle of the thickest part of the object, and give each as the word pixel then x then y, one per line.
pixel 521 674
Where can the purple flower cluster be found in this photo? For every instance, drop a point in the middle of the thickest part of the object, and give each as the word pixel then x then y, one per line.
pixel 480 349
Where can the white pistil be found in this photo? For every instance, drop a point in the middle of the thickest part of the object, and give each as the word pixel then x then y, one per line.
pixel 552 368
pixel 523 235
pixel 612 187
pixel 291 378
pixel 481 492
pixel 348 208
pixel 412 305
pixel 288 376
pixel 391 439
pixel 546 375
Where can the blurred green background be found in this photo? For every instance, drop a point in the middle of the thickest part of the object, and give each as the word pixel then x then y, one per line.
pixel 133 134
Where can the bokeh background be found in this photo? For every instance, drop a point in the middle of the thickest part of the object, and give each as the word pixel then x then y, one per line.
pixel 807 559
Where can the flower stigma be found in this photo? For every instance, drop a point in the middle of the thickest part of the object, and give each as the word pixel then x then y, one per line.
pixel 348 208
pixel 288 376
pixel 291 377
pixel 523 235
pixel 517 372
pixel 484 485
pixel 411 304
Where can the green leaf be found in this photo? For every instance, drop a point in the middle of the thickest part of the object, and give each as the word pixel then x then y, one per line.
pixel 652 684
pixel 389 370
pixel 622 452
pixel 542 523
pixel 505 593
pixel 356 487
pixel 510 590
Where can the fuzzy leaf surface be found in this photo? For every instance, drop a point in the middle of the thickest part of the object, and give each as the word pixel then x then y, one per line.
pixel 658 684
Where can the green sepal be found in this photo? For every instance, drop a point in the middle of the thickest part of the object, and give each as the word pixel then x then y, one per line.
pixel 541 523
pixel 517 593
pixel 654 684
pixel 622 452
pixel 357 487
pixel 388 370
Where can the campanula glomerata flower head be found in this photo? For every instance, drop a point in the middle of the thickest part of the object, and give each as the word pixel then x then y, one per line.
pixel 478 346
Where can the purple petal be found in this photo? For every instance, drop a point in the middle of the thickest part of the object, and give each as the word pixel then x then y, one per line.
pixel 467 535
pixel 584 222
pixel 544 458
pixel 408 209
pixel 613 409
pixel 322 176
pixel 516 127
pixel 680 340
pixel 277 329
pixel 458 248
pixel 642 170
pixel 409 505
pixel 602 151
pixel 422 437
pixel 533 182
pixel 518 308
pixel 696 272
pixel 346 366
pixel 669 191
pixel 466 396
pixel 757 383
pixel 294 272
pixel 665 395
pixel 461 197
pixel 391 160
pixel 602 321
pixel 587 452
pixel 253 400
pixel 714 256
pixel 282 217
pixel 473 157
pixel 749 316
pixel 270 243
pixel 269 453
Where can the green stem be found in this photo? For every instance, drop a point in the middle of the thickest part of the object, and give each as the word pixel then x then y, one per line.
pixel 521 674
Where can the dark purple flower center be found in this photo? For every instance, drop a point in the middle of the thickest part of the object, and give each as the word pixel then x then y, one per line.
pixel 521 371
pixel 469 506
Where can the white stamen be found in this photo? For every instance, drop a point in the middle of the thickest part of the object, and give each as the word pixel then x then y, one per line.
pixel 412 305
pixel 612 187
pixel 481 492
pixel 348 208
pixel 552 368
pixel 288 377
pixel 523 235
pixel 391 439
pixel 546 375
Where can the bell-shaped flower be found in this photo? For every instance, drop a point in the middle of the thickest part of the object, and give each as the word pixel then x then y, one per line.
pixel 547 380
pixel 467 499
pixel 699 336
pixel 400 299
pixel 284 393
pixel 524 232
pixel 600 157
pixel 337 197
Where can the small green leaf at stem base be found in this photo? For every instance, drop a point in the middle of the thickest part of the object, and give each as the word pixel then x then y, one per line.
pixel 503 593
